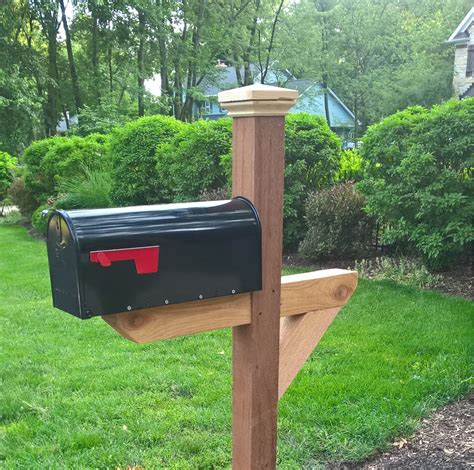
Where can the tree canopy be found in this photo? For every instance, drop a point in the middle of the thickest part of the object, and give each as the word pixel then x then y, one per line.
pixel 91 58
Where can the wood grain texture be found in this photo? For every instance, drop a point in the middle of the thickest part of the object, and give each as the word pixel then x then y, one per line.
pixel 317 290
pixel 299 335
pixel 155 324
pixel 257 173
pixel 300 293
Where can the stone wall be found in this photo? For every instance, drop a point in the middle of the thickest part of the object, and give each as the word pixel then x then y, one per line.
pixel 461 83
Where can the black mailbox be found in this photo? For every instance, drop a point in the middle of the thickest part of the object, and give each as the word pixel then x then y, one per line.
pixel 106 261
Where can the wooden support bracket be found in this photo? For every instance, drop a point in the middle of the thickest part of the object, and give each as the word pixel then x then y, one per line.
pixel 300 293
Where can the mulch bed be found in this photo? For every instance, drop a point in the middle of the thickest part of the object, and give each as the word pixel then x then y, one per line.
pixel 445 440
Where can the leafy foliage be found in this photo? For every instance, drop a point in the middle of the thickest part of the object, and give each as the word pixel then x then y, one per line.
pixel 88 191
pixel 133 155
pixel 350 166
pixel 7 165
pixel 419 182
pixel 195 160
pixel 404 271
pixel 337 224
pixel 312 153
pixel 36 181
pixel 50 161
pixel 39 221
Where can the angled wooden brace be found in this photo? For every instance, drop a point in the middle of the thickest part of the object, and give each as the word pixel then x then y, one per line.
pixel 309 303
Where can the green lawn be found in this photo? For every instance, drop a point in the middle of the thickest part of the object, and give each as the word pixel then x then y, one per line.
pixel 73 394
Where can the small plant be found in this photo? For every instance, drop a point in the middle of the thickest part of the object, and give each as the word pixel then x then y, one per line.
pixel 405 271
pixel 39 220
pixel 350 166
pixel 88 191
pixel 337 225
pixel 215 194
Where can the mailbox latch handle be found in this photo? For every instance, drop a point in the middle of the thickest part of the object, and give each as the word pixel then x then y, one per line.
pixel 145 258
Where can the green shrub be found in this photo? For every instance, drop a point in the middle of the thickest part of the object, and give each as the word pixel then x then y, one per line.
pixel 337 224
pixel 72 156
pixel 22 197
pixel 37 183
pixel 312 153
pixel 39 221
pixel 88 191
pixel 50 161
pixel 421 188
pixel 406 271
pixel 7 166
pixel 195 160
pixel 350 166
pixel 133 155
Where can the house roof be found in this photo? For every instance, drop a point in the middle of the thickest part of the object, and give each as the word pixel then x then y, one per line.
pixel 311 95
pixel 311 101
pixel 461 33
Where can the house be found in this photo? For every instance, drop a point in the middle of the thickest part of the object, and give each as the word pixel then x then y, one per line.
pixel 463 39
pixel 311 99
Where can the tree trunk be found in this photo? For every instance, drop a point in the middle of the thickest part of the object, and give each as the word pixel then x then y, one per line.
pixel 165 87
pixel 52 87
pixel 141 62
pixel 270 44
pixel 248 78
pixel 70 56
pixel 94 53
pixel 109 64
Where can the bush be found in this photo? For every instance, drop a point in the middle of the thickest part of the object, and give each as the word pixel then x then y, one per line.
pixel 88 191
pixel 312 153
pixel 36 182
pixel 133 155
pixel 38 221
pixel 337 224
pixel 22 197
pixel 420 189
pixel 7 166
pixel 73 156
pixel 50 161
pixel 195 160
pixel 350 166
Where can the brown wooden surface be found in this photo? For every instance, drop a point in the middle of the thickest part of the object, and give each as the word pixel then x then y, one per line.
pixel 316 290
pixel 300 293
pixel 155 324
pixel 257 173
pixel 299 335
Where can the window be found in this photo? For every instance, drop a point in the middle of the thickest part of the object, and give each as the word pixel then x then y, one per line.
pixel 470 61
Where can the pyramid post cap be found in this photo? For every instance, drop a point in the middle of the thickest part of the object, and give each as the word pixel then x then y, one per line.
pixel 258 100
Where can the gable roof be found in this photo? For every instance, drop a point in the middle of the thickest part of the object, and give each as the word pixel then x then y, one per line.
pixel 461 33
pixel 310 100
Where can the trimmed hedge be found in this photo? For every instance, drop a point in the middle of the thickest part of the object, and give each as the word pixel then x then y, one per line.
pixel 51 161
pixel 312 159
pixel 195 160
pixel 418 180
pixel 133 155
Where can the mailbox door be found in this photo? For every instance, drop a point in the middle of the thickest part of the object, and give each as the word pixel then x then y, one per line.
pixel 63 266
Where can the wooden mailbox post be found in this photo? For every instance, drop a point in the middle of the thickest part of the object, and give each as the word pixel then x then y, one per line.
pixel 275 329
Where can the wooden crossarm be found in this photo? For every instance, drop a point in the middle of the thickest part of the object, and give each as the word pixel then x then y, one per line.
pixel 300 293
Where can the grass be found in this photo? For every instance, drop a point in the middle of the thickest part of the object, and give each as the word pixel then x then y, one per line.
pixel 75 395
